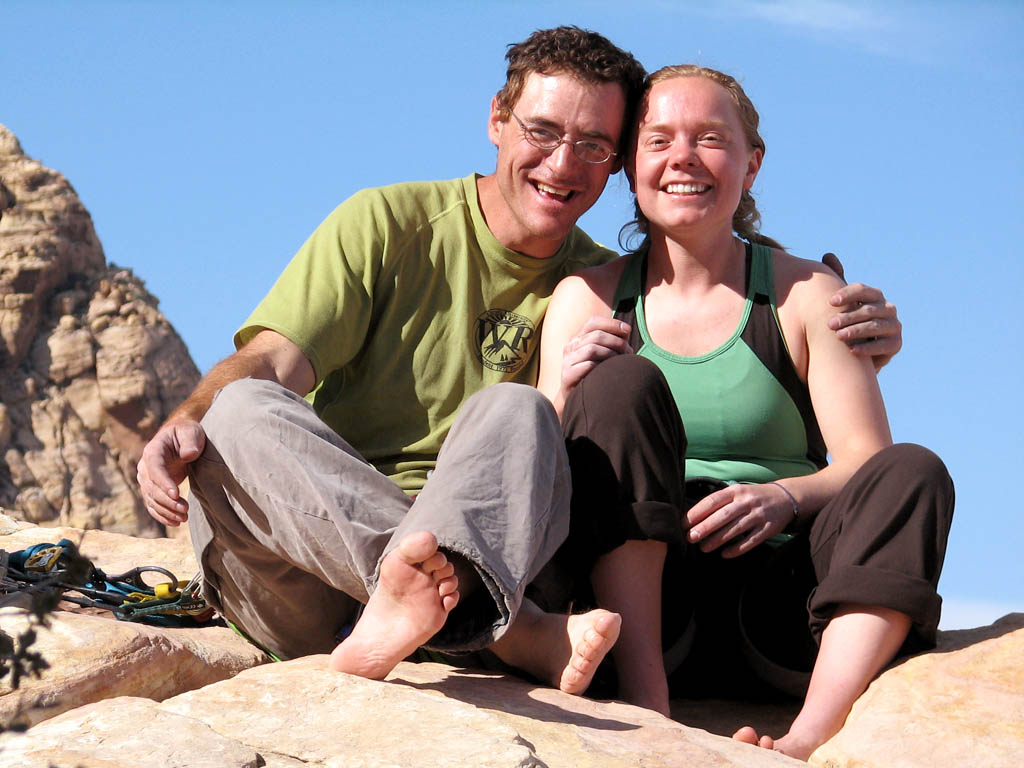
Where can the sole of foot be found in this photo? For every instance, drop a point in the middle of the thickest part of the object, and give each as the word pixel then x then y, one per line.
pixel 416 591
pixel 591 636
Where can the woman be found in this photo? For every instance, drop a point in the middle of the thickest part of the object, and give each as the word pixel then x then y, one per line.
pixel 733 336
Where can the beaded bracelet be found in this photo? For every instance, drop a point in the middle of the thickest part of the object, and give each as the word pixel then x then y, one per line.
pixel 796 510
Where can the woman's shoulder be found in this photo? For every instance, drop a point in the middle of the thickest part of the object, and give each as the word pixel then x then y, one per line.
pixel 597 283
pixel 803 279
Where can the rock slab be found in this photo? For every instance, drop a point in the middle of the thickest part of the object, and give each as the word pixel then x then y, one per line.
pixel 299 713
pixel 130 695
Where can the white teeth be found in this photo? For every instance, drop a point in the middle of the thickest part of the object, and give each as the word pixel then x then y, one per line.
pixel 687 189
pixel 563 193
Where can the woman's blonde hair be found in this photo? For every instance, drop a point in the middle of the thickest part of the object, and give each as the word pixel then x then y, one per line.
pixel 746 219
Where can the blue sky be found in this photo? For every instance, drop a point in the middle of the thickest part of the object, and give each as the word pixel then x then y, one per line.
pixel 208 139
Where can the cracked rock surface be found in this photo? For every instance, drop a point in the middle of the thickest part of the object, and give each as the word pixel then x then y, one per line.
pixel 89 367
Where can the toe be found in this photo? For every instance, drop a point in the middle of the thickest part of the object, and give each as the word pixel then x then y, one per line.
pixel 448 586
pixel 449 601
pixel 436 562
pixel 447 572
pixel 417 547
pixel 747 735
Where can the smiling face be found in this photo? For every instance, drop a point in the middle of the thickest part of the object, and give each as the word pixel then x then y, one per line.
pixel 535 197
pixel 692 160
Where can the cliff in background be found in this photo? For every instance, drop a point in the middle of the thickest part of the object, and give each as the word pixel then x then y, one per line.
pixel 89 367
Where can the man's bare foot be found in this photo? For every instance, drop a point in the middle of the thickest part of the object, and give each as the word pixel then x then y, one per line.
pixel 416 592
pixel 591 636
pixel 564 651
pixel 790 744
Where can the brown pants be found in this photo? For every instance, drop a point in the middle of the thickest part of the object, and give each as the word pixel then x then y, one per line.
pixel 879 542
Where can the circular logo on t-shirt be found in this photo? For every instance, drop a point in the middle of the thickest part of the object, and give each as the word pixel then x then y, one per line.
pixel 503 339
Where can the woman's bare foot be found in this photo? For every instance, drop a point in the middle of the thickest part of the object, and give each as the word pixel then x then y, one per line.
pixel 564 651
pixel 748 735
pixel 790 744
pixel 416 592
pixel 857 643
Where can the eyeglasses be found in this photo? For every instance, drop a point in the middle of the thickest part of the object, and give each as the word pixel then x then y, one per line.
pixel 587 150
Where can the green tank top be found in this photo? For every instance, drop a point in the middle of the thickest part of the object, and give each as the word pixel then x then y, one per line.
pixel 747 415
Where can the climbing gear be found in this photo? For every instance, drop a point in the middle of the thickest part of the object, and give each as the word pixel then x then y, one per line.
pixel 60 566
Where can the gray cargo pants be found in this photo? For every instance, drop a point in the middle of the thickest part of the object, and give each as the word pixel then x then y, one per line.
pixel 290 523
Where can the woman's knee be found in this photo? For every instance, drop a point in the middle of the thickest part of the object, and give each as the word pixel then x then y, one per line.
pixel 903 487
pixel 624 381
pixel 916 465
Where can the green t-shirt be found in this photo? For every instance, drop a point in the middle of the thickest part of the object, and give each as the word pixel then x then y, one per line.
pixel 406 305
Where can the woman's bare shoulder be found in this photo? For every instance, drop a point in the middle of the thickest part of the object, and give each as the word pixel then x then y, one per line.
pixel 801 279
pixel 593 283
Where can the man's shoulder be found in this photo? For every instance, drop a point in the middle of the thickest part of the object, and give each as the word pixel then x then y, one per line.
pixel 582 251
pixel 410 199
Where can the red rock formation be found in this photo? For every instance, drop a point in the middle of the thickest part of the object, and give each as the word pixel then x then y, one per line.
pixel 89 367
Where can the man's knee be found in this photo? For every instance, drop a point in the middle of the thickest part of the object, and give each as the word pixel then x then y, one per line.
pixel 507 401
pixel 242 403
pixel 235 426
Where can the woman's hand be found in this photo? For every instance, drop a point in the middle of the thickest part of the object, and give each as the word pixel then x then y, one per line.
pixel 599 338
pixel 579 331
pixel 741 516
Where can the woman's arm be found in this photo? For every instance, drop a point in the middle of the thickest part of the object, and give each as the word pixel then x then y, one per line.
pixel 578 333
pixel 844 389
pixel 847 403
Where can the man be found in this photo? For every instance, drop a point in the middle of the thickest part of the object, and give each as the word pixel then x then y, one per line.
pixel 396 318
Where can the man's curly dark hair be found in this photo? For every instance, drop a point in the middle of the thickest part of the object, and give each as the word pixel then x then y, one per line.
pixel 578 52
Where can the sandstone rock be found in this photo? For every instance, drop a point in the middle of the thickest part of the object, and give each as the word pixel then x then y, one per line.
pixel 301 713
pixel 576 731
pixel 89 368
pixel 962 704
pixel 93 656
pixel 113 552
pixel 125 733
pixel 9 525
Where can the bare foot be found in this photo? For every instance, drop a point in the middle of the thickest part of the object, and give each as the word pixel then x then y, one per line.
pixel 790 744
pixel 564 651
pixel 748 735
pixel 416 591
pixel 591 636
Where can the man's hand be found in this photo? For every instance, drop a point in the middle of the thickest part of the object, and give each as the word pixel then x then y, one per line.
pixel 866 322
pixel 164 465
pixel 598 339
